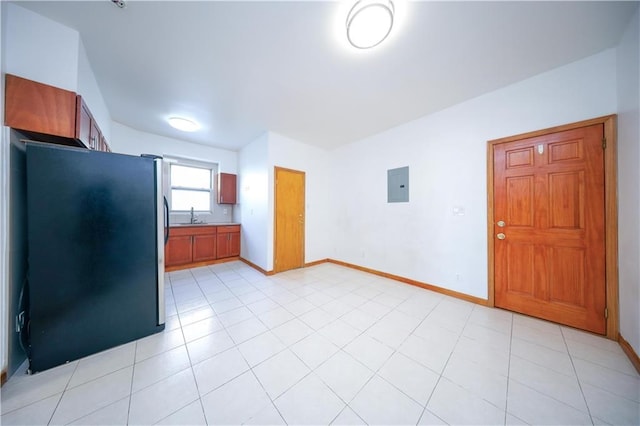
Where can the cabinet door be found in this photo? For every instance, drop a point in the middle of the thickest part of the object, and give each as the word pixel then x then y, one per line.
pixel 105 145
pixel 94 140
pixel 222 245
pixel 227 188
pixel 178 250
pixel 83 126
pixel 204 247
pixel 234 244
pixel 38 107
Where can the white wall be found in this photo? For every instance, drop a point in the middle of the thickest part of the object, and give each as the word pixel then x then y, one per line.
pixel 43 50
pixel 629 178
pixel 40 49
pixel 289 153
pixel 446 155
pixel 90 91
pixel 256 164
pixel 253 209
pixel 127 140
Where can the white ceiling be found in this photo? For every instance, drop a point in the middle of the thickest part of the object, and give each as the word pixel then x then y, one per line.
pixel 241 68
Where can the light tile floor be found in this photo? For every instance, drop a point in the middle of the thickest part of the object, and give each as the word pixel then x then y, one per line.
pixel 331 345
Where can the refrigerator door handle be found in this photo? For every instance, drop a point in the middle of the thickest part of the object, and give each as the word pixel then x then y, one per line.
pixel 166 221
pixel 161 239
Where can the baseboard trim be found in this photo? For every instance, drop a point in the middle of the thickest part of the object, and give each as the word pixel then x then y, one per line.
pixel 199 264
pixel 427 286
pixel 3 378
pixel 317 262
pixel 628 350
pixel 256 267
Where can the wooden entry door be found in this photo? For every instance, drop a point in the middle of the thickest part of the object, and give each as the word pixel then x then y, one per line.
pixel 289 219
pixel 549 227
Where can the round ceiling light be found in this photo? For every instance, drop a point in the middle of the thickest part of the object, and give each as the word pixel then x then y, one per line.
pixel 369 22
pixel 183 124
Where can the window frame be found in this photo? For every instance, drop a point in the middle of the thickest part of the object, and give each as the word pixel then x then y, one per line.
pixel 211 167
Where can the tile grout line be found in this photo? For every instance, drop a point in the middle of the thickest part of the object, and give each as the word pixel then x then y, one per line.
pixel 506 397
pixel 584 398
pixel 62 394
pixel 193 374
pixel 441 374
pixel 133 372
pixel 235 346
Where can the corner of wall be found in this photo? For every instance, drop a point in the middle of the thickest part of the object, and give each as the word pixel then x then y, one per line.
pixel 628 93
pixel 89 89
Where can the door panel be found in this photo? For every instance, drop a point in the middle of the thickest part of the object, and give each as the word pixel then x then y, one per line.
pixel 178 250
pixel 549 191
pixel 204 247
pixel 289 219
pixel 520 272
pixel 520 200
pixel 566 199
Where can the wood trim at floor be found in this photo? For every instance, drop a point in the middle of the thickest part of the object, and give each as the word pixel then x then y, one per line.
pixel 3 378
pixel 317 262
pixel 256 267
pixel 452 293
pixel 628 350
pixel 199 264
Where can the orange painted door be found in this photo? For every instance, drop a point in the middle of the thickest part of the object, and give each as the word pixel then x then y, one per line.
pixel 549 247
pixel 289 219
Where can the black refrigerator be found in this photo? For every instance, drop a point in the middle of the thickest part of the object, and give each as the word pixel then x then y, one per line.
pixel 95 241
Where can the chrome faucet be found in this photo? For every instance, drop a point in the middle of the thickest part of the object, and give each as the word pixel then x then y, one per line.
pixel 194 219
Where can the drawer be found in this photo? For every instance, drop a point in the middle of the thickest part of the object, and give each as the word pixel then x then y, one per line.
pixel 228 228
pixel 192 230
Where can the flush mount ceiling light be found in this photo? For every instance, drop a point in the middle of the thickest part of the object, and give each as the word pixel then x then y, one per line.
pixel 369 22
pixel 183 124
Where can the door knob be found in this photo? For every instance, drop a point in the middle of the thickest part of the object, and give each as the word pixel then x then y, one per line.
pixel 501 236
pixel 500 223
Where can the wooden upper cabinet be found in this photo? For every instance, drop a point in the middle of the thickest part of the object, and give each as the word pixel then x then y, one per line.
pixel 227 188
pixel 83 122
pixel 53 114
pixel 40 108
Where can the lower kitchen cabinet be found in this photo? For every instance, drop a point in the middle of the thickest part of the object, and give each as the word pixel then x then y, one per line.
pixel 204 247
pixel 228 241
pixel 178 250
pixel 190 245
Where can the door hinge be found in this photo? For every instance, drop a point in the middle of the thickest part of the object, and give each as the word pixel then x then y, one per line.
pixel 604 143
pixel 606 313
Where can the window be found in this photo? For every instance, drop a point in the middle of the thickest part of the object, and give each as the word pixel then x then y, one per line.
pixel 191 187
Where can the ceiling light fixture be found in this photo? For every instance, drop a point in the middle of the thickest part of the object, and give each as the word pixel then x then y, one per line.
pixel 183 124
pixel 369 22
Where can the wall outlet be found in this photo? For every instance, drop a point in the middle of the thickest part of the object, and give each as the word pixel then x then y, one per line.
pixel 224 211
